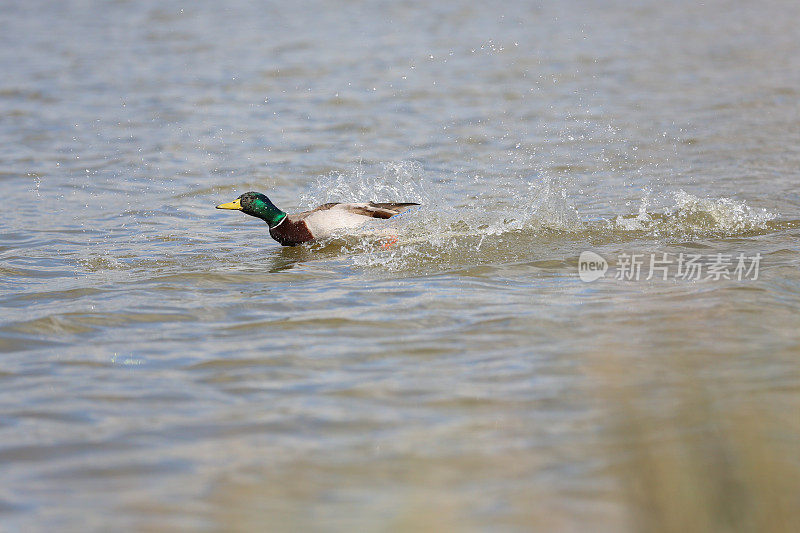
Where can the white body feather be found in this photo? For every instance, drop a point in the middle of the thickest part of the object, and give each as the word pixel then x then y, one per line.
pixel 323 224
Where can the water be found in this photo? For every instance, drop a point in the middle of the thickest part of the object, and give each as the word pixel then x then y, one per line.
pixel 166 365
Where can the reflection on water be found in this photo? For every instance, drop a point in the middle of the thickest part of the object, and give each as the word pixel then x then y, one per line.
pixel 167 366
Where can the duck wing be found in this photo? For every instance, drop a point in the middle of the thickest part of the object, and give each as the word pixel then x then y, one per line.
pixel 371 209
pixel 397 207
pixel 323 207
pixel 378 210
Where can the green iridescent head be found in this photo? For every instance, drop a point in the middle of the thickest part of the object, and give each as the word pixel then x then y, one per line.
pixel 257 205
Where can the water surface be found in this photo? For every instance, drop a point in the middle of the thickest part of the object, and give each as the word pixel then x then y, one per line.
pixel 167 366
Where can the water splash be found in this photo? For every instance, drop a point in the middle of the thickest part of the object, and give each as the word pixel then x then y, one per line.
pixel 451 225
pixel 692 216
pixel 720 214
pixel 102 262
pixel 398 181
pixel 514 219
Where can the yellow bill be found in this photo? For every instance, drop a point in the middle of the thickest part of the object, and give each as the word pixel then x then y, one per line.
pixel 236 204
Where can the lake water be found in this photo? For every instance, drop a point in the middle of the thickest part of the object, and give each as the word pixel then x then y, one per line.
pixel 165 365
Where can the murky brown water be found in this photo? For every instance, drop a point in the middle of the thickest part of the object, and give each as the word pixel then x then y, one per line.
pixel 166 366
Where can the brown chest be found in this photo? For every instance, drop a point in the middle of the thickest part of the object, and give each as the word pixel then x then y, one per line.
pixel 291 233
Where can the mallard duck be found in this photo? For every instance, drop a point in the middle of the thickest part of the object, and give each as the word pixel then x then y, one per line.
pixel 318 223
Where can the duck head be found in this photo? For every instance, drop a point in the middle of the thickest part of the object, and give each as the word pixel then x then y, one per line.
pixel 257 205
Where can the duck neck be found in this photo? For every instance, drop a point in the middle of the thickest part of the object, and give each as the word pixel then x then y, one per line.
pixel 270 214
pixel 277 220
